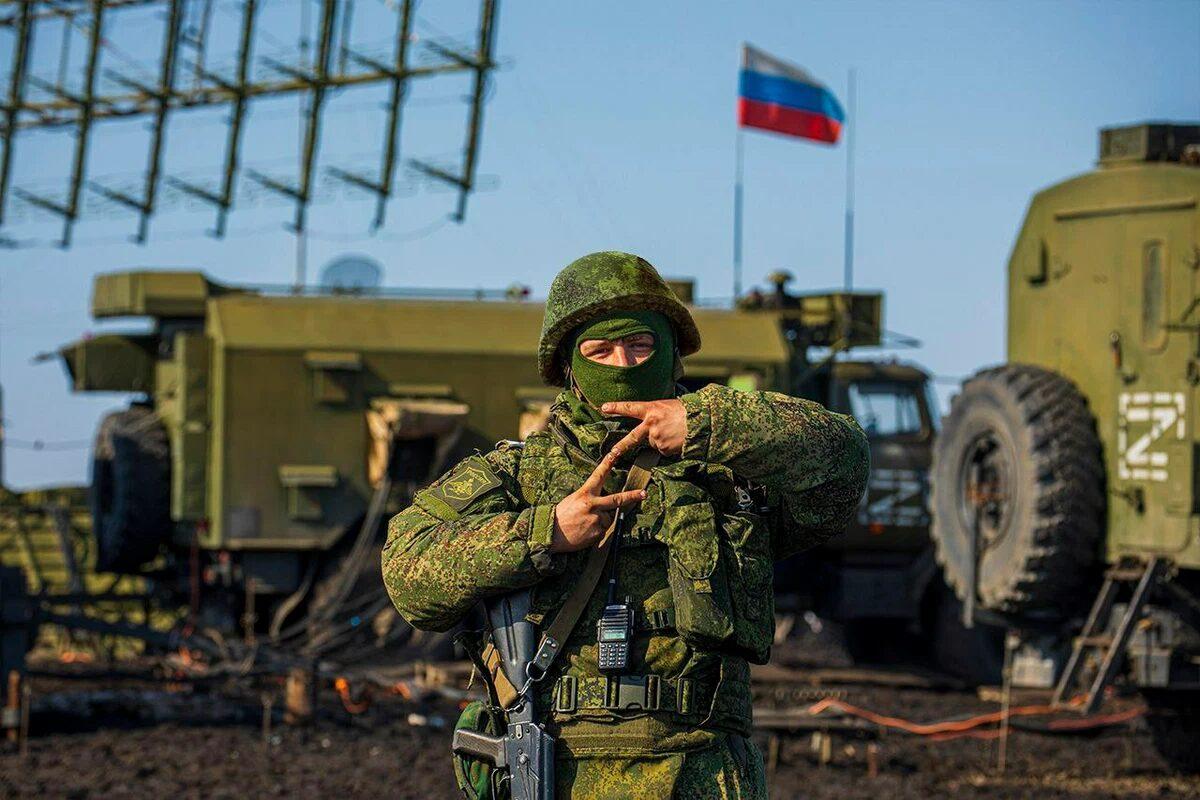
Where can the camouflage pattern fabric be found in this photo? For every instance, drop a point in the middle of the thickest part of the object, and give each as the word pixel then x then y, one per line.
pixel 813 462
pixel 600 283
pixel 791 471
pixel 730 770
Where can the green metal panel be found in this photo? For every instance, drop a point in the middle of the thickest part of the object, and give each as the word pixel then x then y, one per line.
pixel 208 533
pixel 374 325
pixel 305 485
pixel 1150 142
pixel 739 337
pixel 111 363
pixel 269 419
pixel 843 319
pixel 157 293
pixel 189 427
pixel 1102 288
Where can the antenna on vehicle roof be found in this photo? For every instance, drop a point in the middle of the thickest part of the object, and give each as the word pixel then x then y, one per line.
pixel 353 274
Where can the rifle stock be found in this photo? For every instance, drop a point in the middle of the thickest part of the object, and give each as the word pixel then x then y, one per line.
pixel 526 751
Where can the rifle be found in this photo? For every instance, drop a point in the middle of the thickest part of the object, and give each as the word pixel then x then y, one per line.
pixel 525 753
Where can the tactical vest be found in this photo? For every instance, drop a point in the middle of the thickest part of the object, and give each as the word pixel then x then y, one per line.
pixel 695 562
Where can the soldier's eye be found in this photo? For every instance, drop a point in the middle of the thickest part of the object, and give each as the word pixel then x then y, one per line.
pixel 593 348
pixel 642 343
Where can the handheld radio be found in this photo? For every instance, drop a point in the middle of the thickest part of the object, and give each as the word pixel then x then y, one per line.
pixel 614 629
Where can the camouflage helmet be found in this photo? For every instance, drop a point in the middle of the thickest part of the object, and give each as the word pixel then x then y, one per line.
pixel 597 284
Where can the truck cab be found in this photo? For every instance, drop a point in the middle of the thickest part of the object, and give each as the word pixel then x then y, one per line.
pixel 894 405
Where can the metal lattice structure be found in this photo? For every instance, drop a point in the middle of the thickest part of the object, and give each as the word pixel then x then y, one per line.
pixel 32 103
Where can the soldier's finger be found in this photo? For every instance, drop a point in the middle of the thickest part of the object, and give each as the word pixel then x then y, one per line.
pixel 595 481
pixel 626 408
pixel 633 439
pixel 619 500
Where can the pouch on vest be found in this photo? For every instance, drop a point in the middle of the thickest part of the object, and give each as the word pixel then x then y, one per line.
pixel 703 611
pixel 721 575
pixel 746 551
pixel 476 779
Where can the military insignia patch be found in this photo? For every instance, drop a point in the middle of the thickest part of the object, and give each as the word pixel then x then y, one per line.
pixel 470 480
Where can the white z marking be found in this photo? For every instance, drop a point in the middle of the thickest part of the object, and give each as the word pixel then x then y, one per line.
pixel 1137 457
pixel 889 499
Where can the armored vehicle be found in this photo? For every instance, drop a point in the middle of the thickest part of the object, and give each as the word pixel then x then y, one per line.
pixel 271 435
pixel 1069 474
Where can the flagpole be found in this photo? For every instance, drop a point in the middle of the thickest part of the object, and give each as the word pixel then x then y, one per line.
pixel 848 273
pixel 739 147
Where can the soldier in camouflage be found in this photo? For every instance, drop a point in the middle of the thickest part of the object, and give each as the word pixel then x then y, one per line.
pixel 744 479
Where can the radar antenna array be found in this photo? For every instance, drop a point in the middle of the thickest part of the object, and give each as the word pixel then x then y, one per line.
pixel 33 103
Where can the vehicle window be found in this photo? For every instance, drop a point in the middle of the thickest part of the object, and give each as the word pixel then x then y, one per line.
pixel 933 407
pixel 886 409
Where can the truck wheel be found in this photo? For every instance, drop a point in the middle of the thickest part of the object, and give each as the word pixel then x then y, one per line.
pixel 18 623
pixel 1020 454
pixel 974 655
pixel 878 642
pixel 1174 722
pixel 130 493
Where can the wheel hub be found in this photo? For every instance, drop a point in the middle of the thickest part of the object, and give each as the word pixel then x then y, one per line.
pixel 985 488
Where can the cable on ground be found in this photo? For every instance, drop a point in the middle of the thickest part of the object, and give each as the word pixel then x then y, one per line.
pixel 970 727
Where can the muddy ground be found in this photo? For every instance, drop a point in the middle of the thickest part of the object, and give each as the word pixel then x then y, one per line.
pixel 128 738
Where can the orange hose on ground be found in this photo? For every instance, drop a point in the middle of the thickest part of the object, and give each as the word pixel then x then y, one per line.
pixel 931 728
pixel 1083 723
pixel 343 689
pixel 956 729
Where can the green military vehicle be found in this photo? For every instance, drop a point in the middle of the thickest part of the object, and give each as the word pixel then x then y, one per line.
pixel 1070 474
pixel 273 434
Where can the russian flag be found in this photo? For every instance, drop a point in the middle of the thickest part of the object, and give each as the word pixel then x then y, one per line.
pixel 774 95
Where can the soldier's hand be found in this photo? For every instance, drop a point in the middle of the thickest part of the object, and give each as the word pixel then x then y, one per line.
pixel 583 516
pixel 663 424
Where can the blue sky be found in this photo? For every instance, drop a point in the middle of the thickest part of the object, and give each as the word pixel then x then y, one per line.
pixel 611 126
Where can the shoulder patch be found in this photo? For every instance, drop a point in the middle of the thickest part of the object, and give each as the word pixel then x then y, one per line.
pixel 470 479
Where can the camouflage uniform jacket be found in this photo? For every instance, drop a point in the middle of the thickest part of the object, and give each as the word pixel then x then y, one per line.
pixel 793 468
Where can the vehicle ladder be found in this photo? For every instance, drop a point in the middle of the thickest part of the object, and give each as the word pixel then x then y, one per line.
pixel 1093 638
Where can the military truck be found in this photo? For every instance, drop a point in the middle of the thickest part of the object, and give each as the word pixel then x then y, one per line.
pixel 271 435
pixel 1068 475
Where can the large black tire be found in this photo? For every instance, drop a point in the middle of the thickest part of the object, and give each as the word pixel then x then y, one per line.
pixel 131 489
pixel 974 655
pixel 1174 722
pixel 1019 451
pixel 879 642
pixel 18 622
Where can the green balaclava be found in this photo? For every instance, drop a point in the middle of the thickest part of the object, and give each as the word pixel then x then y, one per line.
pixel 653 379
